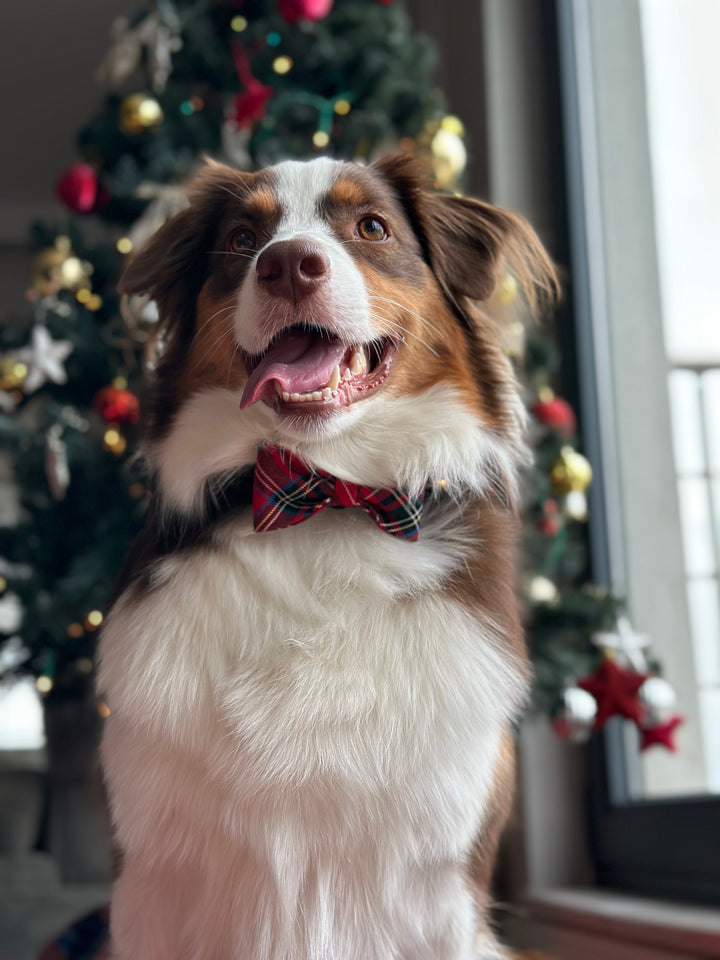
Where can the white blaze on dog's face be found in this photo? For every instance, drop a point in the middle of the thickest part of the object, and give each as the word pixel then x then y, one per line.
pixel 321 291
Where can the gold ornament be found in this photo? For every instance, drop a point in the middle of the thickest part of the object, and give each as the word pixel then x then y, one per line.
pixel 13 373
pixel 448 153
pixel 139 113
pixel 114 442
pixel 571 472
pixel 57 268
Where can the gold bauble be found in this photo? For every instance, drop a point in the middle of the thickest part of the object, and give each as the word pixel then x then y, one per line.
pixel 57 268
pixel 13 373
pixel 571 472
pixel 449 157
pixel 138 113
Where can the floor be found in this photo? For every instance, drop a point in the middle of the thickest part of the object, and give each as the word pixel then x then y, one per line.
pixel 34 910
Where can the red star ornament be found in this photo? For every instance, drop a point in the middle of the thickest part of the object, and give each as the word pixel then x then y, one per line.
pixel 616 692
pixel 663 734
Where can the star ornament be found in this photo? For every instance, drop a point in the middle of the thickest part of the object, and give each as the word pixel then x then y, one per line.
pixel 616 692
pixel 44 358
pixel 662 735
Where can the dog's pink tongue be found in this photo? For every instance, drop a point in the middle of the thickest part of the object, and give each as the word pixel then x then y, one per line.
pixel 300 361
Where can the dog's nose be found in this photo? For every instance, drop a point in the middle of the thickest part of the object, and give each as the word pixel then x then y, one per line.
pixel 292 269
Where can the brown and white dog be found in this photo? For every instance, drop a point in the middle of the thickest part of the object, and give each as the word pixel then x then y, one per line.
pixel 309 752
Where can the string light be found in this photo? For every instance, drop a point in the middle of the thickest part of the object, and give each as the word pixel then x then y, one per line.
pixel 282 65
pixel 321 139
pixel 75 630
pixel 342 107
pixel 44 684
pixel 239 23
pixel 124 245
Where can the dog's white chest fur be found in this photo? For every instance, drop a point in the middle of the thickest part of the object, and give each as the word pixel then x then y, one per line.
pixel 295 708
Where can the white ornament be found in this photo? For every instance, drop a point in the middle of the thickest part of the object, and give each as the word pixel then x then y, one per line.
pixel 574 721
pixel 158 34
pixel 44 358
pixel 166 201
pixel 57 469
pixel 628 644
pixel 658 698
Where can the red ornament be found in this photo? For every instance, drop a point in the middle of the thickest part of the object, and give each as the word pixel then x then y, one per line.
pixel 251 105
pixel 556 414
pixel 79 189
pixel 550 523
pixel 116 405
pixel 294 10
pixel 616 692
pixel 663 734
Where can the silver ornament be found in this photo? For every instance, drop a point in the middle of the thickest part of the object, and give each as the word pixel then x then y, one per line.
pixel 574 721
pixel 658 698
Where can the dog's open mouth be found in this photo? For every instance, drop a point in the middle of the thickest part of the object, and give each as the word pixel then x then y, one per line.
pixel 310 370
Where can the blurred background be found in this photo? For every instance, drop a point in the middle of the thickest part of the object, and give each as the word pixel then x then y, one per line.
pixel 599 120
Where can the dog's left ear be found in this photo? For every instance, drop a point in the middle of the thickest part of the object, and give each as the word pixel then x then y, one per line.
pixel 471 245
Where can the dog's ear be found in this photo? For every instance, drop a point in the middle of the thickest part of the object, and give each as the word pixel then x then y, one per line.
pixel 173 265
pixel 471 245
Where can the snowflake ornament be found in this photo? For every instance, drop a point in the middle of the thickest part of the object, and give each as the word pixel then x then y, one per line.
pixel 44 358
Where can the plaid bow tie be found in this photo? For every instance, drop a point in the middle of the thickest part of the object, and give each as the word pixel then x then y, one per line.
pixel 287 491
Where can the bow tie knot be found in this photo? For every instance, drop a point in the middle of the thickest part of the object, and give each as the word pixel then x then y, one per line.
pixel 287 491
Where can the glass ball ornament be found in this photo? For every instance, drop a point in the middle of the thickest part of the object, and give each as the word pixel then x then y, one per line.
pixel 58 268
pixel 449 157
pixel 658 699
pixel 576 715
pixel 571 472
pixel 139 113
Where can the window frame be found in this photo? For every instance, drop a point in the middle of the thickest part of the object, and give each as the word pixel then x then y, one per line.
pixel 629 837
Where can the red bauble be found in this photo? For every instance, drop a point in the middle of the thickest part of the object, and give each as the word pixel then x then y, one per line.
pixel 616 692
pixel 294 10
pixel 79 188
pixel 116 405
pixel 556 414
pixel 663 734
pixel 251 105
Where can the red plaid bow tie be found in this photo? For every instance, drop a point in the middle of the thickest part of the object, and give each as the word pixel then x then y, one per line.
pixel 287 491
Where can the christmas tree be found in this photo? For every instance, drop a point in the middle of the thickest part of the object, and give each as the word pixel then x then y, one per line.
pixel 249 82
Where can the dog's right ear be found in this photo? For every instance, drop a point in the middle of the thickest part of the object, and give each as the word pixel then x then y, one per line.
pixel 174 264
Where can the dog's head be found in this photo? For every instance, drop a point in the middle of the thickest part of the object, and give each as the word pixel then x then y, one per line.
pixel 322 295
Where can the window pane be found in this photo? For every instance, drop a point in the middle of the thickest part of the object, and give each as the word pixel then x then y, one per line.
pixel 711 410
pixel 704 604
pixel 696 527
pixel 685 412
pixel 710 713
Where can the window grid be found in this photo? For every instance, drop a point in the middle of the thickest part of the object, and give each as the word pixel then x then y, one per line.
pixel 695 404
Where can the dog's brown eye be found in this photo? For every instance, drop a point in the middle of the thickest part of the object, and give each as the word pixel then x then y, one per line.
pixel 241 240
pixel 370 228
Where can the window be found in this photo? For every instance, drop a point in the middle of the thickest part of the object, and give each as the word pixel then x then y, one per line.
pixel 640 106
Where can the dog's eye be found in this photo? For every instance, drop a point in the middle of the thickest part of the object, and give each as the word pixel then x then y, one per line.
pixel 370 228
pixel 240 240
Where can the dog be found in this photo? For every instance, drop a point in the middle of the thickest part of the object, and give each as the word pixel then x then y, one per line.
pixel 314 662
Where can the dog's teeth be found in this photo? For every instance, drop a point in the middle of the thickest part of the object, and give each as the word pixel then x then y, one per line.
pixel 279 389
pixel 295 397
pixel 346 375
pixel 358 362
pixel 327 392
pixel 334 380
pixel 285 395
pixel 317 395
